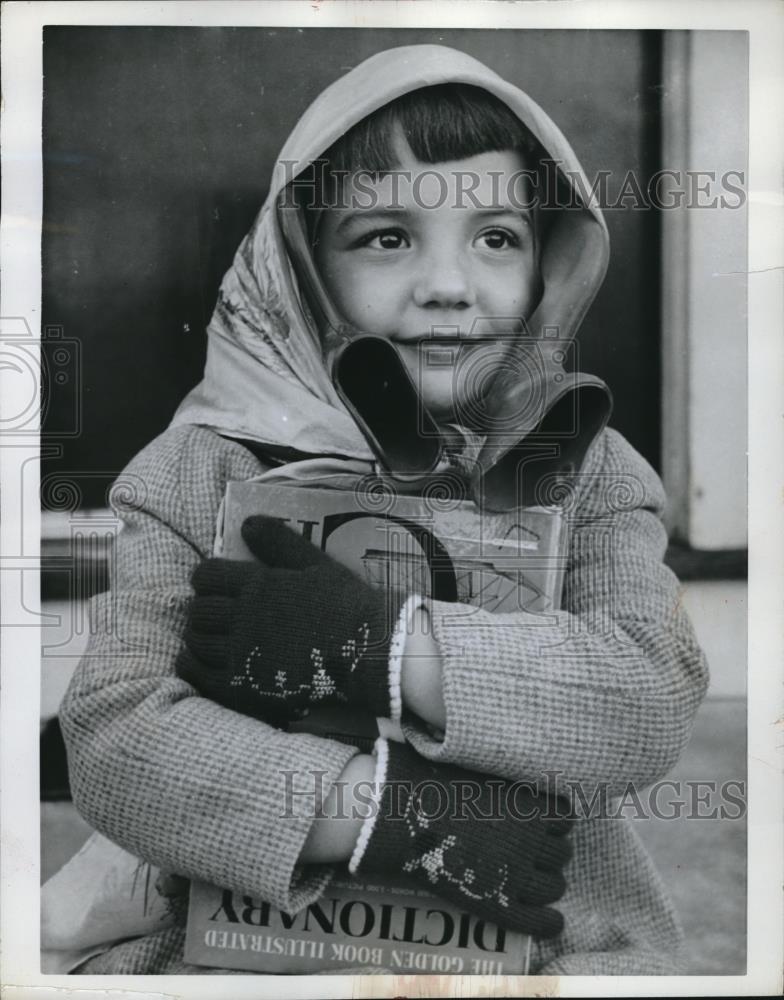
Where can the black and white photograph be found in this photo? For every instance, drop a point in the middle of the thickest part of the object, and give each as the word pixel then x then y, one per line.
pixel 391 527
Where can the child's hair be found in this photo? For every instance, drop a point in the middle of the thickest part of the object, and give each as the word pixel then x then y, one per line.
pixel 440 123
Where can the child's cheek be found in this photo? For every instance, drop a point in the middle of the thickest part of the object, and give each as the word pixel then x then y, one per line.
pixel 374 303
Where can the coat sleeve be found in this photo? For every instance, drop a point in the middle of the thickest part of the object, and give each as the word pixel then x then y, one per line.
pixel 602 693
pixel 170 776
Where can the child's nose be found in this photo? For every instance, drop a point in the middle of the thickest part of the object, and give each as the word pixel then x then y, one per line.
pixel 443 282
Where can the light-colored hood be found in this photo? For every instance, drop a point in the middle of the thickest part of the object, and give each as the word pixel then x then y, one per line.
pixel 265 378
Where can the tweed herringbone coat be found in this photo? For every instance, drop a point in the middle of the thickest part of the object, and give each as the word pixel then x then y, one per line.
pixel 605 694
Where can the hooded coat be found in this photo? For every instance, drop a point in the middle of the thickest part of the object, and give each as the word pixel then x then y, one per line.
pixel 195 789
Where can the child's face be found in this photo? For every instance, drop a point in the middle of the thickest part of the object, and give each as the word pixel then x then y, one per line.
pixel 401 268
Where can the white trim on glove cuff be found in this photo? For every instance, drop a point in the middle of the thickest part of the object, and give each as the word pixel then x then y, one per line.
pixel 381 752
pixel 397 647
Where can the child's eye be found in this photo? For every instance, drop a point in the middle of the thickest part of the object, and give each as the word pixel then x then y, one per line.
pixel 385 239
pixel 499 239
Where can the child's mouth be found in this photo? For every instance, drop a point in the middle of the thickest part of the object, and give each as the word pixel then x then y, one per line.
pixel 443 343
pixel 444 350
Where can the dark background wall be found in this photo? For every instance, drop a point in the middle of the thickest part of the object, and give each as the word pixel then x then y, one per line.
pixel 158 146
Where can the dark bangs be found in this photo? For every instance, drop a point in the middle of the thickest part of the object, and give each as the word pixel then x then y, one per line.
pixel 447 122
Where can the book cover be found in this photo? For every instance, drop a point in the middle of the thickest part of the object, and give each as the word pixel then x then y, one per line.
pixel 448 550
pixel 354 924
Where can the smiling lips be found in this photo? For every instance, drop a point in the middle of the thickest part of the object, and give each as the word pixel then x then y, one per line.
pixel 439 340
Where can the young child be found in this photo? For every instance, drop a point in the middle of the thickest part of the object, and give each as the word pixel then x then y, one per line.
pixel 169 751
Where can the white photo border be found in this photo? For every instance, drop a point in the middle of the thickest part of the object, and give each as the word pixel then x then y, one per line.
pixel 20 236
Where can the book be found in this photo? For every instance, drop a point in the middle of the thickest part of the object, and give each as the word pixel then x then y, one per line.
pixel 448 550
pixel 443 549
pixel 355 924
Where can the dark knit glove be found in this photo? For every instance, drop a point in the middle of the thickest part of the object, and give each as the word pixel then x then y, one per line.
pixel 485 845
pixel 296 629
